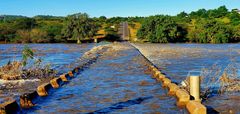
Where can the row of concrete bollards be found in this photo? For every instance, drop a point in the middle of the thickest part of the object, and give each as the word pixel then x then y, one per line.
pixel 182 96
pixel 44 89
pixel 29 100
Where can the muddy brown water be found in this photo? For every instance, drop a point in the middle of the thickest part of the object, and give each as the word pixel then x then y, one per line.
pixel 118 82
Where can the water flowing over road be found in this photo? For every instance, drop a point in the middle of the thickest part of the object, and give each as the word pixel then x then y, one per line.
pixel 209 60
pixel 118 82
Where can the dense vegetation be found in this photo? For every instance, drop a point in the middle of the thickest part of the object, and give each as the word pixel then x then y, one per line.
pixel 80 26
pixel 203 26
pixel 39 29
pixel 52 29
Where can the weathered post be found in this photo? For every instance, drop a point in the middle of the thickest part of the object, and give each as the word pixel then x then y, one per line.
pixel 195 87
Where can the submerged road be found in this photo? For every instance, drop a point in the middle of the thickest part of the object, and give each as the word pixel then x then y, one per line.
pixel 124 31
pixel 118 82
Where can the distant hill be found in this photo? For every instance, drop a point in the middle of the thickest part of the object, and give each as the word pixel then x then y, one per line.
pixel 47 17
pixel 11 17
pixel 38 17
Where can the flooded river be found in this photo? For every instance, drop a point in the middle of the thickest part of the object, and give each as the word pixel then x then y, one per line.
pixel 119 82
pixel 181 60
pixel 59 56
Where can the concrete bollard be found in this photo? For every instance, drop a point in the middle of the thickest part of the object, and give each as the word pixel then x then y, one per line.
pixel 154 70
pixel 155 75
pixel 9 107
pixel 26 100
pixel 56 82
pixel 182 97
pixel 160 77
pixel 42 90
pixel 64 78
pixel 195 87
pixel 151 67
pixel 195 107
pixel 70 73
pixel 172 88
pixel 165 81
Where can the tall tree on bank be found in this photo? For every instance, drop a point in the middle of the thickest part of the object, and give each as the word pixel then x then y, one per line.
pixel 210 31
pixel 161 29
pixel 79 26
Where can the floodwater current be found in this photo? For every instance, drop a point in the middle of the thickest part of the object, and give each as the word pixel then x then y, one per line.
pixel 178 61
pixel 59 56
pixel 119 82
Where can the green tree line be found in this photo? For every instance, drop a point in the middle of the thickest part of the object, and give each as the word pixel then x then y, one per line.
pixel 202 26
pixel 53 29
pixel 30 30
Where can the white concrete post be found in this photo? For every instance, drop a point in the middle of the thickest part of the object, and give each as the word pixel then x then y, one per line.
pixel 195 87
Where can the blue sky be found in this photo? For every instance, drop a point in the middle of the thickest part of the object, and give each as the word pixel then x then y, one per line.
pixel 109 8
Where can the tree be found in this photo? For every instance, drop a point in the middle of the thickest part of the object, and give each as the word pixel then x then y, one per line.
pixel 102 18
pixel 182 15
pixel 53 29
pixel 219 12
pixel 24 23
pixel 23 36
pixel 236 34
pixel 201 13
pixel 210 31
pixel 7 32
pixel 39 36
pixel 234 18
pixel 79 26
pixel 161 29
pixel 32 36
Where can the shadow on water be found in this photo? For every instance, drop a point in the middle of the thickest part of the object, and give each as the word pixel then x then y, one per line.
pixel 212 93
pixel 121 105
pixel 211 110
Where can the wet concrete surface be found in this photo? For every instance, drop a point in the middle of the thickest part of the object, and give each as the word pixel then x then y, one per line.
pixel 118 82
